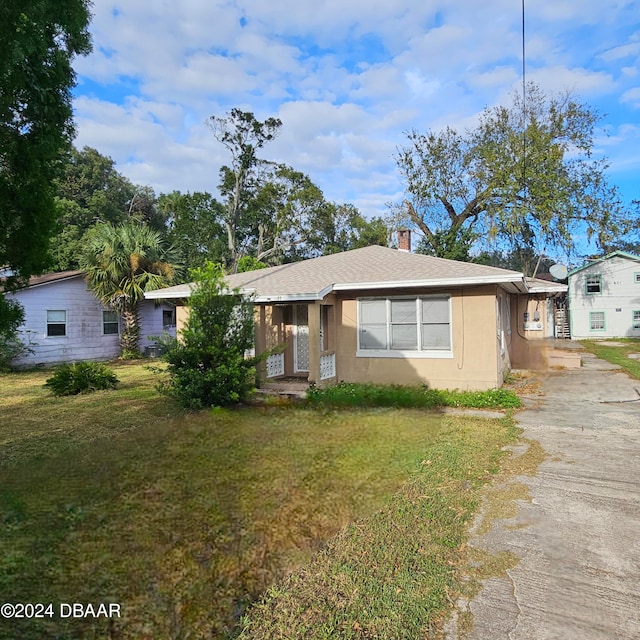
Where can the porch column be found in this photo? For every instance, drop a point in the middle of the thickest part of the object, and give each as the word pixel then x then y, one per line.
pixel 260 334
pixel 314 341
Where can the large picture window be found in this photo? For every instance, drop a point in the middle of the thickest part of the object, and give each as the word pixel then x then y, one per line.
pixel 400 325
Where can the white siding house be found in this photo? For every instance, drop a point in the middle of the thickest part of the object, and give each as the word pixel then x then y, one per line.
pixel 604 297
pixel 65 322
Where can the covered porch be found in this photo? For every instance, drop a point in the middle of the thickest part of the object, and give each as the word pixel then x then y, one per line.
pixel 300 337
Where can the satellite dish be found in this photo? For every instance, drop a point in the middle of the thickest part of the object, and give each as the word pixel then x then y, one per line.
pixel 558 271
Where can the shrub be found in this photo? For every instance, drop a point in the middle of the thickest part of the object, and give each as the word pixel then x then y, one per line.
pixel 372 395
pixel 81 377
pixel 10 348
pixel 11 317
pixel 207 365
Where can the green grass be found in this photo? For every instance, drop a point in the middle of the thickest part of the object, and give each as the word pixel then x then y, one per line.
pixel 616 354
pixel 181 518
pixel 371 395
pixel 395 573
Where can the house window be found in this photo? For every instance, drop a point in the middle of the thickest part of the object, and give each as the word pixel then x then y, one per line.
pixel 596 321
pixel 110 325
pixel 400 325
pixel 594 284
pixel 636 320
pixel 636 278
pixel 168 318
pixel 56 323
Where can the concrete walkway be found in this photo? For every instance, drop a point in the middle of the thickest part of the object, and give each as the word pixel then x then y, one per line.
pixel 578 538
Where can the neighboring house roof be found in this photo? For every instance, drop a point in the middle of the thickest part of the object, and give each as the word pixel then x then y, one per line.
pixel 367 269
pixel 542 285
pixel 47 278
pixel 614 254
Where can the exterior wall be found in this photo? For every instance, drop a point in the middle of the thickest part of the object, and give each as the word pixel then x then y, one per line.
pixel 528 348
pixel 619 298
pixel 84 339
pixel 151 323
pixel 182 313
pixel 540 323
pixel 476 362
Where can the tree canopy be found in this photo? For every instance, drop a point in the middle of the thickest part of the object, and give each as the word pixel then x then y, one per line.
pixel 38 41
pixel 525 176
pixel 274 213
pixel 195 227
pixel 91 191
pixel 243 135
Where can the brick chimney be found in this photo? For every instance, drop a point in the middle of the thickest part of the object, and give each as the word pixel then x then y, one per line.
pixel 404 240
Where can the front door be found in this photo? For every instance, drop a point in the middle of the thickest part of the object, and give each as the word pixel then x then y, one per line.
pixel 301 338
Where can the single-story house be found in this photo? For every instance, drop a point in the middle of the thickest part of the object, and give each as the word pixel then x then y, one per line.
pixel 390 316
pixel 604 297
pixel 65 322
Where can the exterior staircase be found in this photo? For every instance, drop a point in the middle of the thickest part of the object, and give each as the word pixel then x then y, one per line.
pixel 563 331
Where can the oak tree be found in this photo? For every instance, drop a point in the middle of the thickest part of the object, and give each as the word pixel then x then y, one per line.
pixel 525 176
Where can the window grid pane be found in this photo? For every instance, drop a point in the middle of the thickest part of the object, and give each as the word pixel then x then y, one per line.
pixel 373 311
pixel 436 333
pixel 435 310
pixel 56 316
pixel 168 317
pixel 403 311
pixel 373 336
pixel 436 336
pixel 596 320
pixel 404 337
pixel 636 319
pixel 594 284
pixel 56 323
pixel 404 326
pixel 110 323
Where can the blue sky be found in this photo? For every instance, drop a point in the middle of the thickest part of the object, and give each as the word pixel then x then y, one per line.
pixel 347 78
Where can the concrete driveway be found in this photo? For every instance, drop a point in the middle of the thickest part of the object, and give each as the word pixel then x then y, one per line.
pixel 578 537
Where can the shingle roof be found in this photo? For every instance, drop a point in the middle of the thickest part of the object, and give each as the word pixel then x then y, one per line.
pixel 360 269
pixel 46 278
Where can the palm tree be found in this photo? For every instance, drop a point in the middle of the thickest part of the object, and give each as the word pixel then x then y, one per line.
pixel 121 263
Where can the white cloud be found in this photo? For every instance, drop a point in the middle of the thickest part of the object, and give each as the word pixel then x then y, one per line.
pixel 632 96
pixel 347 79
pixel 621 53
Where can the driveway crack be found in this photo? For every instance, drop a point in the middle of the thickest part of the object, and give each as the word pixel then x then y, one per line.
pixel 514 592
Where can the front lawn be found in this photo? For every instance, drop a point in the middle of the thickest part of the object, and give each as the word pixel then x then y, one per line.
pixel 186 519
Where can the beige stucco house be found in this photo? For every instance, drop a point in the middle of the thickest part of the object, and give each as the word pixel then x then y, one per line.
pixel 389 316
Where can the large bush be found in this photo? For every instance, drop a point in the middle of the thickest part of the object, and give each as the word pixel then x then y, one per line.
pixel 11 317
pixel 81 377
pixel 207 364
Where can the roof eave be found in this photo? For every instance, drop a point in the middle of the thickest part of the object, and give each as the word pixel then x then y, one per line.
pixel 516 279
pixel 290 297
pixel 166 294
